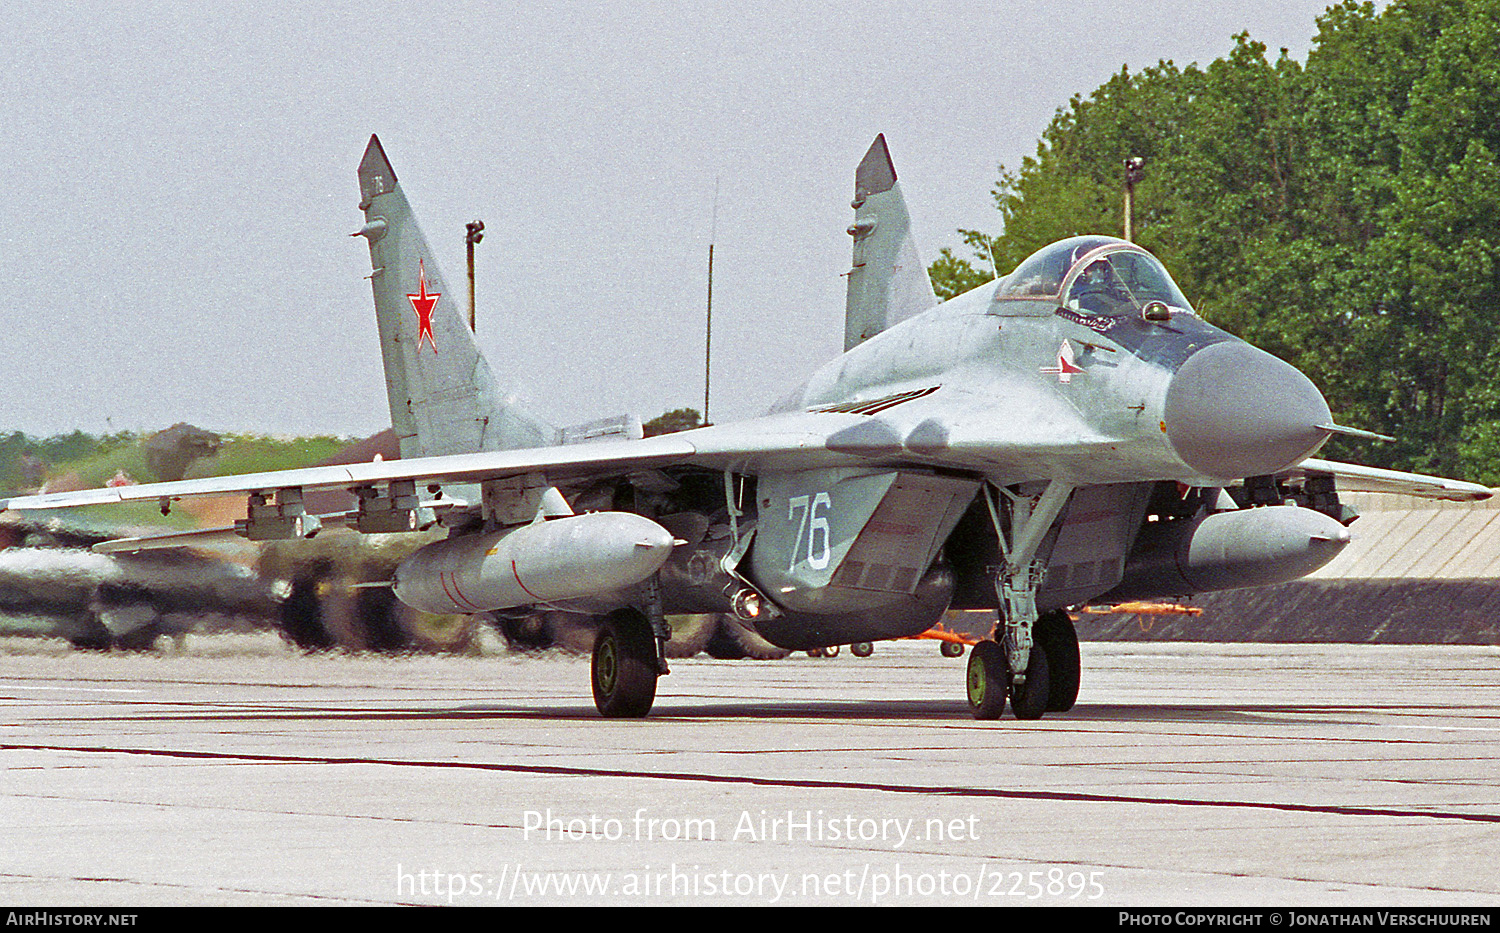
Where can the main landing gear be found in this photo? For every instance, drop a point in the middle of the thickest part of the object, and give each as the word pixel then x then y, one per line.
pixel 625 665
pixel 630 652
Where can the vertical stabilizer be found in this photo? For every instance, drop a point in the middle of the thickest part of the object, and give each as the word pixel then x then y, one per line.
pixel 888 282
pixel 444 399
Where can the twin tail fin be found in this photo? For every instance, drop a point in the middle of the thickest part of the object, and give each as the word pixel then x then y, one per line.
pixel 444 398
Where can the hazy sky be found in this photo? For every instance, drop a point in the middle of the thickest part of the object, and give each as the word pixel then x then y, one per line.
pixel 181 185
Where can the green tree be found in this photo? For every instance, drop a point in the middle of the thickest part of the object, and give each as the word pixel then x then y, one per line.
pixel 1344 215
pixel 21 456
pixel 952 275
pixel 1402 107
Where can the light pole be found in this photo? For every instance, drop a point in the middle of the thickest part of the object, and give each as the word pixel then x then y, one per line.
pixel 475 233
pixel 1135 170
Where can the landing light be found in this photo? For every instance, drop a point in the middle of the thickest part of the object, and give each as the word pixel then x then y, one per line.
pixel 746 604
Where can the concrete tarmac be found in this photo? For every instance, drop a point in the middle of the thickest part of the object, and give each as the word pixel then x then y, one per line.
pixel 233 771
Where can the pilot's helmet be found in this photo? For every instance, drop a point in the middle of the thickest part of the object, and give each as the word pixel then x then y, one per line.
pixel 1096 273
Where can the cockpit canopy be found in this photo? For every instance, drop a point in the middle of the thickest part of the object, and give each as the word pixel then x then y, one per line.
pixel 1093 274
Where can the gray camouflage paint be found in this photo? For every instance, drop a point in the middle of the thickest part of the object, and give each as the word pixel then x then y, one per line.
pixel 930 402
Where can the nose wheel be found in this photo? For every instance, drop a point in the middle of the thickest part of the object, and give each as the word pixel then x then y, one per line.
pixel 988 680
pixel 1058 639
pixel 1052 673
pixel 1035 648
pixel 1029 700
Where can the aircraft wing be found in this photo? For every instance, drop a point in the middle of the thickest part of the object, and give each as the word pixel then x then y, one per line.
pixel 787 441
pixel 790 441
pixel 1354 478
pixel 604 457
pixel 797 438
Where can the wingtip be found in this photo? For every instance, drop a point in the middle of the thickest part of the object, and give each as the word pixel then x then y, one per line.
pixel 876 172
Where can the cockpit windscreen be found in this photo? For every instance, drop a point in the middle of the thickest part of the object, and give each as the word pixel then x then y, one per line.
pixel 1097 275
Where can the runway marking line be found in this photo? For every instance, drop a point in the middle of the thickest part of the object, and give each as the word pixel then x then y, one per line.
pixel 951 791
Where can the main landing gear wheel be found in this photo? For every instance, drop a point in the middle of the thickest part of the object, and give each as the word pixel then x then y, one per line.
pixel 952 649
pixel 861 649
pixel 987 681
pixel 1055 635
pixel 624 667
pixel 732 640
pixel 1029 700
pixel 526 633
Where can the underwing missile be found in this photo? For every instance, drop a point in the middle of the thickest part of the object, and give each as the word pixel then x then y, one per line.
pixel 545 562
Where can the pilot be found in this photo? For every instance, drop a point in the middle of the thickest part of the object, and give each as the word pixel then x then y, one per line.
pixel 1098 290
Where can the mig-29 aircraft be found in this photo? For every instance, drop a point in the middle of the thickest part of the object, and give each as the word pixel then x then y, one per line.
pixel 1072 433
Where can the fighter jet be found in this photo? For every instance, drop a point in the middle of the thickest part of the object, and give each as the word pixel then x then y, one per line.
pixel 1073 433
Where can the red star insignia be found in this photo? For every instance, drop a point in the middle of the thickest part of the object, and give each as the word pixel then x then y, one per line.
pixel 1066 368
pixel 423 303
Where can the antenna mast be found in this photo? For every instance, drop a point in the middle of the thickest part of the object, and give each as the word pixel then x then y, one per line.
pixel 708 329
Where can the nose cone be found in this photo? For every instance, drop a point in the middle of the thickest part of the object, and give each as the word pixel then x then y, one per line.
pixel 1234 411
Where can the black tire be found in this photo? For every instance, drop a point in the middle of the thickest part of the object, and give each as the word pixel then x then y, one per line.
pixel 691 634
pixel 375 613
pixel 1055 634
pixel 95 637
pixel 815 652
pixel 861 649
pixel 624 667
pixel 951 649
pixel 142 639
pixel 530 632
pixel 721 646
pixel 735 641
pixel 301 617
pixel 987 680
pixel 1029 701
